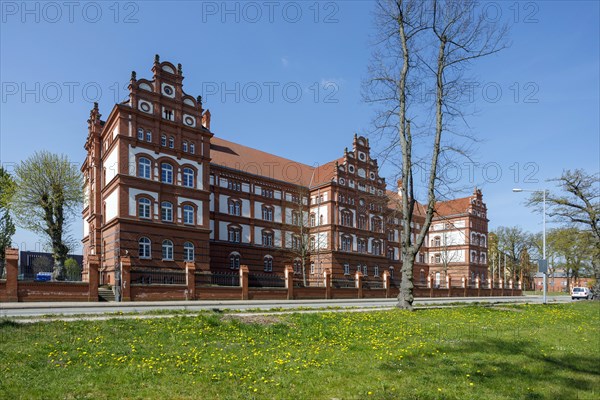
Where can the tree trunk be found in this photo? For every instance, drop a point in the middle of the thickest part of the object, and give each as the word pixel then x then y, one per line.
pixel 406 297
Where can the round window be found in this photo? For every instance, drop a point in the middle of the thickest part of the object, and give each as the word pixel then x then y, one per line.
pixel 168 90
pixel 145 107
pixel 189 121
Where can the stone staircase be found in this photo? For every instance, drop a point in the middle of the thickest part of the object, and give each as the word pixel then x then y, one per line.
pixel 105 294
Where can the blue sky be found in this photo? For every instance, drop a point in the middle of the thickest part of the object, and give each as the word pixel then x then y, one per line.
pixel 285 77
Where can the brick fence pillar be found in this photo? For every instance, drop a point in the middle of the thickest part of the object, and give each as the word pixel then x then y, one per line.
pixel 490 283
pixel 190 280
pixel 93 262
pixel 501 287
pixel 478 286
pixel 126 278
pixel 327 282
pixel 512 287
pixel 449 285
pixel 359 283
pixel 386 284
pixel 11 256
pixel 464 285
pixel 244 281
pixel 430 285
pixel 289 281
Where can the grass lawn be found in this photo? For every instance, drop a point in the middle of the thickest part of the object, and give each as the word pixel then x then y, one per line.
pixel 508 352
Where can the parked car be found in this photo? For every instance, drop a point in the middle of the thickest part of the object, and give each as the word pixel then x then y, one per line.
pixel 581 293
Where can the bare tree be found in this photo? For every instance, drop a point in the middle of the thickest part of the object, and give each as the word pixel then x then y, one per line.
pixel 577 204
pixel 424 42
pixel 299 241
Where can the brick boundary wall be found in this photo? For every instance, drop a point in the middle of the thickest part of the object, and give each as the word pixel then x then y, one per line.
pixel 13 290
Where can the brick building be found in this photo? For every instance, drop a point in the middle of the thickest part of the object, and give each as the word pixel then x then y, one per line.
pixel 163 189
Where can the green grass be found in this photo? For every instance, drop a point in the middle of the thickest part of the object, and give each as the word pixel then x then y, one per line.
pixel 507 352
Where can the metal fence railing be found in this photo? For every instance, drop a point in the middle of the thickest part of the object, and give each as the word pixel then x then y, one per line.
pixel 345 282
pixel 266 280
pixel 158 277
pixel 217 279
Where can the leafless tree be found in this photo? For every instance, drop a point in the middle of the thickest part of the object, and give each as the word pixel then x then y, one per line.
pixel 421 43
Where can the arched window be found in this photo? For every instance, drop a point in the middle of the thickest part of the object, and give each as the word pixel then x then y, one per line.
pixel 376 270
pixel 167 250
pixel 346 269
pixel 144 208
pixel 185 147
pixel 140 133
pixel 391 254
pixel 166 211
pixel 391 272
pixel 234 260
pixel 144 168
pixel 192 148
pixel 188 214
pixel 365 270
pixel 188 251
pixel 438 258
pixel 235 207
pixel 482 258
pixel 482 240
pixel 312 243
pixel 267 238
pixel 268 264
pixel 347 218
pixel 144 248
pixel 473 256
pixel 376 248
pixel 235 234
pixel 321 219
pixel 422 276
pixel 163 140
pixel 362 221
pixel 166 173
pixel 297 266
pixel 362 246
pixel 346 243
pixel 473 238
pixel 148 136
pixel 188 177
pixel 171 142
pixel 437 241
pixel 313 219
pixel 267 213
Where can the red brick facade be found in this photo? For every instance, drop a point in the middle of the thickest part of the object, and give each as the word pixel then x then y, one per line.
pixel 164 190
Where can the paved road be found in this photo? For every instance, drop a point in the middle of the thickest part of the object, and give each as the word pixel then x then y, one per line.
pixel 72 308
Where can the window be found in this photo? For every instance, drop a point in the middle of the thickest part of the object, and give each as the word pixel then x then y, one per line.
pixel 321 219
pixel 144 249
pixel 166 211
pixel 346 218
pixel 391 272
pixel 313 219
pixel 267 193
pixel 185 147
pixel 192 148
pixel 482 258
pixel 234 234
pixel 376 224
pixel 376 248
pixel 234 185
pixel 188 177
pixel 297 266
pixel 140 134
pixel 365 270
pixel 268 264
pixel 267 239
pixel 438 258
pixel 234 261
pixel 296 220
pixel 422 276
pixel 312 267
pixel 296 242
pixel 312 243
pixel 346 243
pixel 421 257
pixel 235 207
pixel 346 269
pixel 166 173
pixel 168 114
pixel 474 256
pixel 144 168
pixel 436 241
pixel 171 142
pixel 188 214
pixel 188 251
pixel 376 270
pixel 267 213
pixel 163 140
pixel 391 236
pixel 144 208
pixel 148 136
pixel 482 240
pixel 362 222
pixel 362 246
pixel 391 254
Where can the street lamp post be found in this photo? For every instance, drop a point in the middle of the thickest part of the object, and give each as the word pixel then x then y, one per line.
pixel 545 277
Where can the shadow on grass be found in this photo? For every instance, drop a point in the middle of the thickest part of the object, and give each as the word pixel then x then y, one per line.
pixel 503 364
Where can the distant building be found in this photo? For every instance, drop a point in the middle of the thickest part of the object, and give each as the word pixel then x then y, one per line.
pixel 163 189
pixel 559 282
